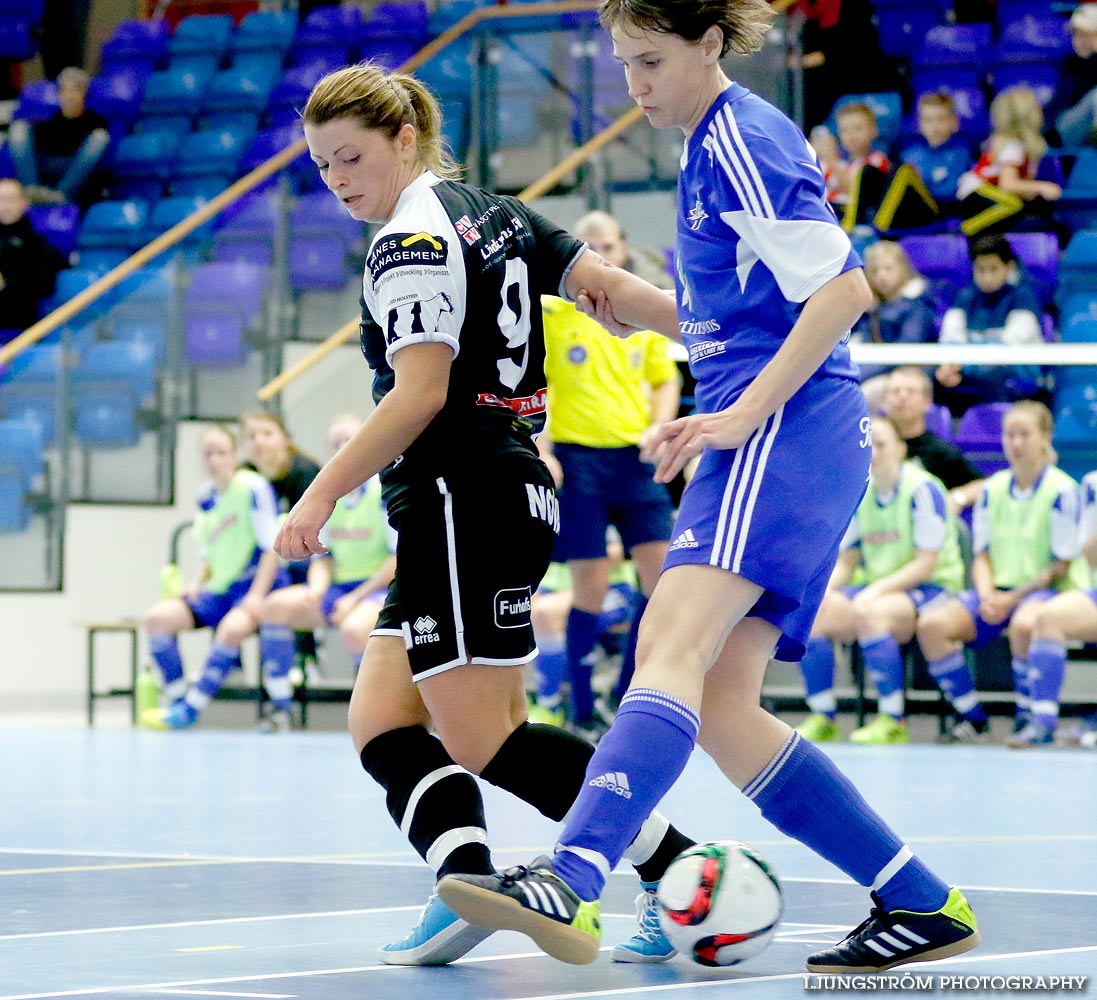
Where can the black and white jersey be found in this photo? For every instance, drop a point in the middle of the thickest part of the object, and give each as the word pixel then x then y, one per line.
pixel 464 267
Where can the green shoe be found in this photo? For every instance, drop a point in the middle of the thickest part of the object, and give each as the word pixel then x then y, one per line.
pixel 887 939
pixel 819 729
pixel 546 716
pixel 883 729
pixel 533 900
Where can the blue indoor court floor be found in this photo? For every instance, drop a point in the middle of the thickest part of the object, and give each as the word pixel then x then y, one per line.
pixel 230 864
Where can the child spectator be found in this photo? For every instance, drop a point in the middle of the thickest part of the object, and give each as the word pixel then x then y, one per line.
pixel 902 312
pixel 56 159
pixel 996 308
pixel 1003 183
pixel 857 132
pixel 28 264
pixel 938 155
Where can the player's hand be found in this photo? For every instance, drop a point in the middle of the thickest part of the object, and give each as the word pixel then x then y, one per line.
pixel 949 376
pixel 556 470
pixel 298 538
pixel 598 308
pixel 996 607
pixel 674 443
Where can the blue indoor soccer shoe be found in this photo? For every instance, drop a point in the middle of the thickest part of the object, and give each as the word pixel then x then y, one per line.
pixel 439 938
pixel 649 944
pixel 178 716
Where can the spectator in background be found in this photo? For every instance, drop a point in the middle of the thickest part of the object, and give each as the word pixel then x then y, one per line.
pixel 857 132
pixel 938 155
pixel 28 263
pixel 907 399
pixel 841 55
pixel 1003 184
pixel 1072 110
pixel 56 159
pixel 604 236
pixel 996 308
pixel 903 312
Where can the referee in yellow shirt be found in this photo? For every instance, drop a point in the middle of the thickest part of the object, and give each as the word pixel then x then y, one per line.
pixel 604 394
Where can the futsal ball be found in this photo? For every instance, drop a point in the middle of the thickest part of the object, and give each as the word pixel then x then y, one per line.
pixel 719 903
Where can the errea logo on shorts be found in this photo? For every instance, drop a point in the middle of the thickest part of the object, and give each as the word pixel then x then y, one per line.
pixel 424 628
pixel 512 608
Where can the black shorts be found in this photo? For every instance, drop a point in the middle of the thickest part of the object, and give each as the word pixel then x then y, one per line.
pixel 468 559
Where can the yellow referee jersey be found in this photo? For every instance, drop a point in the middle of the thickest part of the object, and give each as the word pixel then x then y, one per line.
pixel 597 383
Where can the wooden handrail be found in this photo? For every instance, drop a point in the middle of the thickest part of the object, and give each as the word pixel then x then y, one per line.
pixel 538 187
pixel 63 313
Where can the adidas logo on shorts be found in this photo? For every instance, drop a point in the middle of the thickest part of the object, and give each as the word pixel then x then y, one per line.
pixel 684 541
pixel 613 781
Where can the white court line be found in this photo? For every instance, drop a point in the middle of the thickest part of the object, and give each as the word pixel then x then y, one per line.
pixel 926 966
pixel 213 993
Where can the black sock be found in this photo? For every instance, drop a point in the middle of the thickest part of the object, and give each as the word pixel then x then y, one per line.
pixel 447 825
pixel 516 769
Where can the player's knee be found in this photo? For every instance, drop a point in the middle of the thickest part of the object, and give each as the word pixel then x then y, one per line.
pixel 159 619
pixel 278 609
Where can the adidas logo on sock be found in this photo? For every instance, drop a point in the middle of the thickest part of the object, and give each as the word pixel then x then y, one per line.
pixel 613 781
pixel 684 541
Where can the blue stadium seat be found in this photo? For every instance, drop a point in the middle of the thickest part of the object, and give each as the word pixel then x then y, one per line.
pixel 150 331
pixel 146 156
pixel 1076 416
pixel 1078 205
pixel 100 261
pixel 942 260
pixel 1040 78
pixel 205 33
pixel 902 28
pixel 955 45
pixel 223 302
pixel 406 21
pixel 57 223
pixel 939 420
pixel 979 436
pixel 201 64
pixel 20 466
pixel 240 89
pixel 264 31
pixel 116 225
pixel 328 33
pixel 1034 39
pixel 174 92
pixel 109 386
pixel 211 152
pixel 389 53
pixel 117 93
pixel 1079 319
pixel 169 212
pixel 37 101
pixel 140 39
pixel 70 283
pixel 1039 255
pixel 18 39
pixel 30 393
pixel 1078 267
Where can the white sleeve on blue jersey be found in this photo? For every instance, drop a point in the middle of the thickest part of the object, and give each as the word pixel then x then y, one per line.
pixel 1089 507
pixel 778 208
pixel 980 524
pixel 265 518
pixel 1065 517
pixel 930 517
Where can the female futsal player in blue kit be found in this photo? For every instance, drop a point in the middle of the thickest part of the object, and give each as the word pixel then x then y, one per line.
pixel 768 288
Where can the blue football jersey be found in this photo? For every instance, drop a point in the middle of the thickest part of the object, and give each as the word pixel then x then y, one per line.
pixel 756 238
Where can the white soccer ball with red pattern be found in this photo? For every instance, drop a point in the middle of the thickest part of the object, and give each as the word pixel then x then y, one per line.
pixel 719 903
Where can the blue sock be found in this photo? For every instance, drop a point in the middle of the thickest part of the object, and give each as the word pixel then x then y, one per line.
pixel 805 796
pixel 552 665
pixel 582 634
pixel 164 650
pixel 628 660
pixel 222 660
pixel 884 663
pixel 817 666
pixel 954 679
pixel 635 764
pixel 276 649
pixel 1022 691
pixel 1047 662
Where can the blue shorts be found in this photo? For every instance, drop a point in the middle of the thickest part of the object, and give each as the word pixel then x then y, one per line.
pixel 775 510
pixel 208 608
pixel 986 633
pixel 337 590
pixel 926 595
pixel 604 486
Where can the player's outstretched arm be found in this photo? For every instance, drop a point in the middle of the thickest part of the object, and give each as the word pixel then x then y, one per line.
pixel 422 382
pixel 634 303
